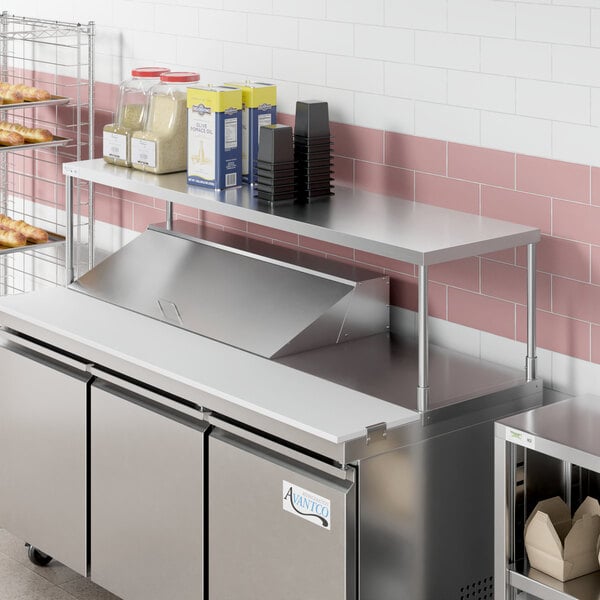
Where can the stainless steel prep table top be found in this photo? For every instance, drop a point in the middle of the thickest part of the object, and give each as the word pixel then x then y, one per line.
pixel 223 377
pixel 367 382
pixel 567 429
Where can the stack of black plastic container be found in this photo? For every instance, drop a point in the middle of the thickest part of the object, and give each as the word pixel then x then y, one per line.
pixel 275 165
pixel 313 150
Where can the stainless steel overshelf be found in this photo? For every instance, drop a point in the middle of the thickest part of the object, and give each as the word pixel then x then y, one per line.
pixel 410 231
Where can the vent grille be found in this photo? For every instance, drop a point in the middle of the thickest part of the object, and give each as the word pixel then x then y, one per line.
pixel 483 589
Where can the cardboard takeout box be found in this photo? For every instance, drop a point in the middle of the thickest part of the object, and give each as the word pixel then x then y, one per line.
pixel 562 547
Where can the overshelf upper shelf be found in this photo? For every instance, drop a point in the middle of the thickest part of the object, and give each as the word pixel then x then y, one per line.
pixel 410 231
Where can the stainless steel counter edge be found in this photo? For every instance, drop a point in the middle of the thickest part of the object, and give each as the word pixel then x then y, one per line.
pixel 566 430
pixel 418 233
pixel 242 386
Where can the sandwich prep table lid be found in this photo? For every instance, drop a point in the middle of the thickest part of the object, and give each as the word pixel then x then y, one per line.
pixel 245 300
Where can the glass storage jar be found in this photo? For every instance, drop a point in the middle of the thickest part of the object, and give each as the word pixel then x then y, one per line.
pixel 130 114
pixel 161 146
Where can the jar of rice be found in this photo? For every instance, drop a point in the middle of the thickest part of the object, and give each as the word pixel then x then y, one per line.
pixel 130 114
pixel 161 146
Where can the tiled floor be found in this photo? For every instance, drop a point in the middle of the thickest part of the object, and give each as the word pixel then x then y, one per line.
pixel 20 579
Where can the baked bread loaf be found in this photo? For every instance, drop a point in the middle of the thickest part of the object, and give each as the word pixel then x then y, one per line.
pixel 10 95
pixel 24 92
pixel 29 232
pixel 11 239
pixel 31 135
pixel 11 138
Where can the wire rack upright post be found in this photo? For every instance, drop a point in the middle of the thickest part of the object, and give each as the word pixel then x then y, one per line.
pixel 58 57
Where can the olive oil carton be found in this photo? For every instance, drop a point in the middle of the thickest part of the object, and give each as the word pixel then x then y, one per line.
pixel 259 102
pixel 214 136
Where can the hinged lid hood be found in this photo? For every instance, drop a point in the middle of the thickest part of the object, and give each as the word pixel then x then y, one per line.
pixel 259 304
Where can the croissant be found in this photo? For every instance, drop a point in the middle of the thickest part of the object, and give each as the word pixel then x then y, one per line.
pixel 29 232
pixel 11 239
pixel 24 92
pixel 11 138
pixel 32 135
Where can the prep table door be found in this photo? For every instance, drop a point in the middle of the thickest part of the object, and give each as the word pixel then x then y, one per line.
pixel 277 528
pixel 147 497
pixel 43 453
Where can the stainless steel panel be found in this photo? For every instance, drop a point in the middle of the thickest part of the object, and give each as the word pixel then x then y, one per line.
pixel 259 551
pixel 387 226
pixel 386 366
pixel 263 306
pixel 548 588
pixel 147 498
pixel 567 430
pixel 43 455
pixel 426 519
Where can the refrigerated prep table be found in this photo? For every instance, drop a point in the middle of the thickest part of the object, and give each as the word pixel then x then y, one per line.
pixel 204 416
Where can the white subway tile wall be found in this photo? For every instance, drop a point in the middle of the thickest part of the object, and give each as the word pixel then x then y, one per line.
pixel 430 60
pixel 474 90
pixel 452 123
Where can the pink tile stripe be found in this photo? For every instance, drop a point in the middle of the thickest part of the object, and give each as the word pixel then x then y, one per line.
pixel 508 282
pixel 458 273
pixel 390 181
pixel 419 154
pixel 576 299
pixel 553 178
pixel 560 257
pixel 480 164
pixel 595 343
pixel 361 143
pixel 578 222
pixel 508 205
pixel 557 333
pixel 447 193
pixel 481 312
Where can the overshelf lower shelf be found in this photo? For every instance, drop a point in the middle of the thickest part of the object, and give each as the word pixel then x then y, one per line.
pixel 547 588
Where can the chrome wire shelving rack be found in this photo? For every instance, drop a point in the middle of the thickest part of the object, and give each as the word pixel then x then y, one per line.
pixel 58 57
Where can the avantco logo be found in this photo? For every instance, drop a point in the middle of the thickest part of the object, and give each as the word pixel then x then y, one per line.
pixel 306 505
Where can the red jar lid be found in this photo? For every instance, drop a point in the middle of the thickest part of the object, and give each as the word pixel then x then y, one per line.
pixel 179 77
pixel 149 71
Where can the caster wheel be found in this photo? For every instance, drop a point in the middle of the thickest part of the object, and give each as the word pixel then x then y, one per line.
pixel 37 557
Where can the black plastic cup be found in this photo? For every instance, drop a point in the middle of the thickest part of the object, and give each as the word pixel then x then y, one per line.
pixel 312 118
pixel 275 189
pixel 275 144
pixel 275 198
pixel 267 180
pixel 313 142
pixel 264 165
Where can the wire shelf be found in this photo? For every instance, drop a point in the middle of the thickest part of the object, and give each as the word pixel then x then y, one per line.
pixel 58 57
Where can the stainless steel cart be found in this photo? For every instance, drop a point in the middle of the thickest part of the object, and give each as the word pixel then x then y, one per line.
pixel 548 451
